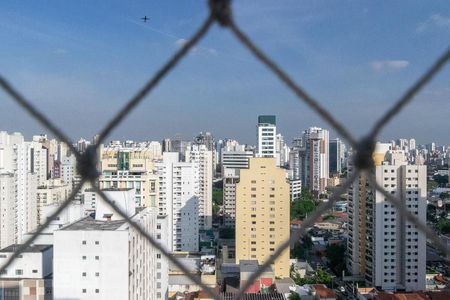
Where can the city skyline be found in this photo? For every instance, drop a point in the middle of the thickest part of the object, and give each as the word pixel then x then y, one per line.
pixel 138 164
pixel 85 61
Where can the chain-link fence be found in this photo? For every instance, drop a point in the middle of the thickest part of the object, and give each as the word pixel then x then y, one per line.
pixel 220 11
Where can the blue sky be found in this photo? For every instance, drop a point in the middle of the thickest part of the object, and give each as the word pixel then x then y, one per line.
pixel 79 61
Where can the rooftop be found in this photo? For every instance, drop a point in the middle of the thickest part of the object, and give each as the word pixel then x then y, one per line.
pixel 250 296
pixel 89 223
pixel 400 296
pixel 29 249
pixel 324 292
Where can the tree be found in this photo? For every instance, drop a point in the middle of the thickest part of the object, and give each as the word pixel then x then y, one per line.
pixel 336 256
pixel 321 277
pixel 217 199
pixel 431 185
pixel 302 206
pixel 293 296
pixel 443 226
pixel 298 251
pixel 444 195
pixel 431 213
pixel 441 180
pixel 226 233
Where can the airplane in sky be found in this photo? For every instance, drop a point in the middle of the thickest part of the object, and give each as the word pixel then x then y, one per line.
pixel 145 19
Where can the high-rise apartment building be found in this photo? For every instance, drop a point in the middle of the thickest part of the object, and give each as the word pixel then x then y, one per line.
pixel 53 191
pixel 262 213
pixel 202 159
pixel 337 156
pixel 178 190
pixel 230 180
pixel 23 167
pixel 281 151
pixel 314 156
pixel 234 158
pixel 109 259
pixel 266 136
pixel 383 247
pixel 125 167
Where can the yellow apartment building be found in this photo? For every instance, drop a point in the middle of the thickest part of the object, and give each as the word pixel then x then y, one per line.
pixel 263 213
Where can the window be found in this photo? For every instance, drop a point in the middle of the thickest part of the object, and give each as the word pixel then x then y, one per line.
pixel 19 272
pixel 83 242
pixel 2 256
pixel 83 274
pixel 97 291
pixel 97 274
pixel 83 291
pixel 34 271
pixel 97 257
pixel 97 242
pixel 83 257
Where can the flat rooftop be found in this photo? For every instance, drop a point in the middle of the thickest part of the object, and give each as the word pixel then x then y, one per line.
pixel 90 223
pixel 29 249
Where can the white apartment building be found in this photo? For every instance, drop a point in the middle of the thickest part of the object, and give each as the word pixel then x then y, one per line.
pixel 125 168
pixel 281 151
pixel 7 209
pixel 314 157
pixel 178 188
pixel 98 259
pixel 53 191
pixel 266 136
pixel 383 247
pixel 230 179
pixel 35 262
pixel 236 158
pixel 202 158
pixel 67 169
pixel 26 163
pixel 29 275
pixel 295 188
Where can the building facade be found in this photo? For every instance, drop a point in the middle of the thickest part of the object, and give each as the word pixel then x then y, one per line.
pixel 178 188
pixel 314 155
pixel 383 247
pixel 266 136
pixel 263 214
pixel 202 159
pixel 98 259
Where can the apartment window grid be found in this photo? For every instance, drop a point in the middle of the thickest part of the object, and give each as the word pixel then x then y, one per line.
pixel 220 11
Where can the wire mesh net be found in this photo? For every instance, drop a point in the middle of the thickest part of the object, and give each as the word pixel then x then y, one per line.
pixel 220 11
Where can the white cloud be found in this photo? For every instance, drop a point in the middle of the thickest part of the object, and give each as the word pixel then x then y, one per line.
pixel 180 42
pixel 435 20
pixel 60 51
pixel 196 50
pixel 389 65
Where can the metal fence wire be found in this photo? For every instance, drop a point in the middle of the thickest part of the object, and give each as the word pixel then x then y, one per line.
pixel 220 11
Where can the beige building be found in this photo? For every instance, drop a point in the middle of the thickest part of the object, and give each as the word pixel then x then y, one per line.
pixel 383 247
pixel 54 191
pixel 262 214
pixel 131 168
